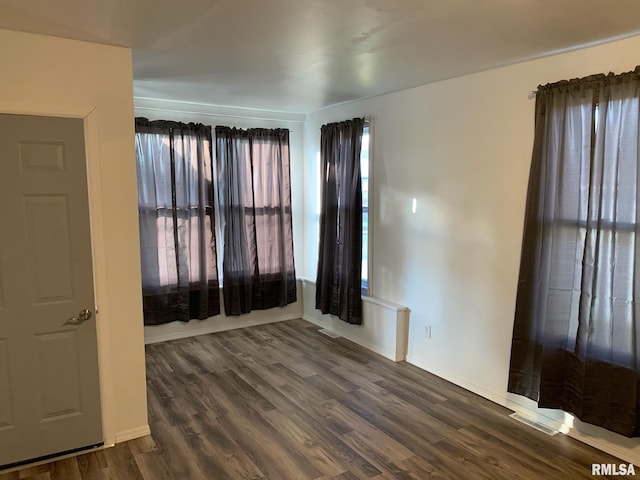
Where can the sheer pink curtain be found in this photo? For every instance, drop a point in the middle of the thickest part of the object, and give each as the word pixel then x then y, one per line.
pixel 177 239
pixel 254 195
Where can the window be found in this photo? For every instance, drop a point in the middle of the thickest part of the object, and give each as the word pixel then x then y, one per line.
pixel 364 175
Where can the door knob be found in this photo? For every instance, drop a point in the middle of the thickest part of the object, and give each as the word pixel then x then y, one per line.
pixel 82 317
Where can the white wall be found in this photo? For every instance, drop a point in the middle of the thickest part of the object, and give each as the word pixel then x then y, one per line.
pixel 241 118
pixel 51 76
pixel 462 149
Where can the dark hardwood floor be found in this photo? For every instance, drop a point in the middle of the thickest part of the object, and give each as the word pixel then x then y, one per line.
pixel 283 401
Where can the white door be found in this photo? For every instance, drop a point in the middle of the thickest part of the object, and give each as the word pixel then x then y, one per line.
pixel 49 388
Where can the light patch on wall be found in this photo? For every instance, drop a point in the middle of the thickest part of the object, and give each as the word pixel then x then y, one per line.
pixel 414 205
pixel 437 217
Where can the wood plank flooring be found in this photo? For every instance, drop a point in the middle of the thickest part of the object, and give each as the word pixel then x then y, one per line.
pixel 283 401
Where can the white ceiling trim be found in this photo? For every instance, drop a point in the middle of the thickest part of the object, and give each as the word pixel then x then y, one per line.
pixel 154 106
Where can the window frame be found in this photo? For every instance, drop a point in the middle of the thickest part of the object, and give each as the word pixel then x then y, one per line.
pixel 366 282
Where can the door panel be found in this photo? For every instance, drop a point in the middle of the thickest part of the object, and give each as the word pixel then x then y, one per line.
pixel 1 290
pixel 41 157
pixel 6 417
pixel 49 386
pixel 49 242
pixel 59 384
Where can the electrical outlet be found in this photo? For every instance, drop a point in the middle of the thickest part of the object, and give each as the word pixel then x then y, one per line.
pixel 427 331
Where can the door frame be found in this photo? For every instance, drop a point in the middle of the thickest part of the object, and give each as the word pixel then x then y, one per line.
pixel 89 116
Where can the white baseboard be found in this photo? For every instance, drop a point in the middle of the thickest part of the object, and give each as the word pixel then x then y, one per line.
pixel 133 434
pixel 354 339
pixel 231 323
pixel 461 382
pixel 631 456
pixel 384 329
pixel 627 454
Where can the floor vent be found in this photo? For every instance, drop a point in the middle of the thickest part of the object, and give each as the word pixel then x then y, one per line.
pixel 533 424
pixel 329 333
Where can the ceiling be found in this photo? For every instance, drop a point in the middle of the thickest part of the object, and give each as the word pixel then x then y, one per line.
pixel 303 55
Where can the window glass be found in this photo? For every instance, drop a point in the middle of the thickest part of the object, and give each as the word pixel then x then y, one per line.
pixel 364 173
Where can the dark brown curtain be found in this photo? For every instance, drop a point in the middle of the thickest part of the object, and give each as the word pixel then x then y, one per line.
pixel 177 236
pixel 254 193
pixel 575 345
pixel 339 276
